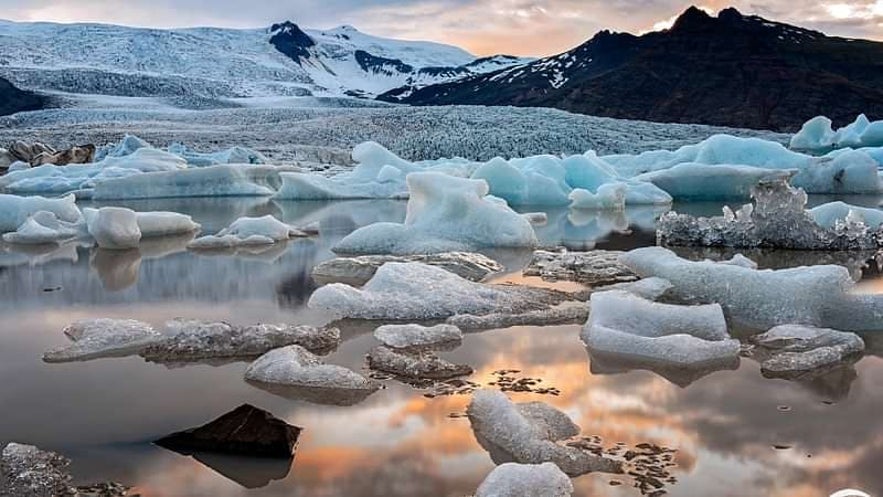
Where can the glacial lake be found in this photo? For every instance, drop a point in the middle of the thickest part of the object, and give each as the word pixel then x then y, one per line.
pixel 736 432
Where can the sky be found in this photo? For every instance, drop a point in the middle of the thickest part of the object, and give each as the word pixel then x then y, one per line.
pixel 484 27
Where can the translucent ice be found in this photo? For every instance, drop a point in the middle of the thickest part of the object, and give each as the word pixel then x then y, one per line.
pixel 818 134
pixel 211 181
pixel 414 291
pixel 444 214
pixel 95 338
pixel 692 181
pixel 609 196
pixel 521 480
pixel 623 324
pixel 828 215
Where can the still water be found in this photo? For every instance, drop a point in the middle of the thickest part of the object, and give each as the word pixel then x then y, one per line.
pixel 737 433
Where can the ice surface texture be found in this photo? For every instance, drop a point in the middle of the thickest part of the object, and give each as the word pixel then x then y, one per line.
pixel 444 214
pixel 26 471
pixel 595 268
pixel 415 291
pixel 44 227
pixel 357 271
pixel 817 134
pixel 96 338
pixel 815 295
pixel 528 434
pixel 623 324
pixel 794 349
pixel 521 480
pixel 776 219
pixel 422 365
pixel 295 366
pixel 121 228
pixel 403 336
pixel 15 210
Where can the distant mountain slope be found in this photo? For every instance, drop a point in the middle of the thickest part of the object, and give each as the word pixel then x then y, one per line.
pixel 13 100
pixel 730 70
pixel 284 60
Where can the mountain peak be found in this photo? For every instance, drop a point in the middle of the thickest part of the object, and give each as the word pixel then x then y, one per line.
pixel 691 19
pixel 289 39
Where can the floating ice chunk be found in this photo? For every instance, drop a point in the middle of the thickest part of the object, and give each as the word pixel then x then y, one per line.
pixel 818 134
pixel 356 271
pixel 415 291
pixel 647 288
pixel 851 171
pixel 829 214
pixel 761 299
pixel 595 268
pixel 504 180
pixel 403 336
pixel 127 146
pixel 815 134
pixel 692 181
pixel 43 227
pixel 308 186
pixel 249 231
pixel 415 366
pixel 189 340
pixel 158 223
pixel 777 219
pixel 295 366
pixel 527 434
pixel 623 324
pixel 212 181
pixel 609 196
pixel 15 210
pixel 564 313
pixel 795 349
pixel 521 480
pixel 232 155
pixel 96 338
pixel 114 228
pixel 444 214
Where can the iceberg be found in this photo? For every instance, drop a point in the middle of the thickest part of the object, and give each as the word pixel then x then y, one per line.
pixel 828 215
pixel 98 338
pixel 610 196
pixel 232 155
pixel 761 299
pixel 624 325
pixel 43 227
pixel 520 480
pixel 211 181
pixel 294 366
pixel 444 214
pixel 529 434
pixel 15 210
pixel 692 181
pixel 356 271
pixel 189 340
pixel 114 228
pixel 265 230
pixel 405 336
pixel 776 219
pixel 414 291
pixel 817 134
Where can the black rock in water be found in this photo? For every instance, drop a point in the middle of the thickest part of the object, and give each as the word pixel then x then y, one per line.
pixel 246 430
pixel 729 70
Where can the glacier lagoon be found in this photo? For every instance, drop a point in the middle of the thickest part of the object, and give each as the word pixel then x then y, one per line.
pixel 733 427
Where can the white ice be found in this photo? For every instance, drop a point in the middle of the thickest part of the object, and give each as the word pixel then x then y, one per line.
pixel 121 228
pixel 43 227
pixel 401 336
pixel 625 325
pixel 264 230
pixel 95 338
pixel 444 214
pixel 297 367
pixel 523 480
pixel 15 210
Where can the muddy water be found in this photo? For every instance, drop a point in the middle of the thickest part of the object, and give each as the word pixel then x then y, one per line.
pixel 737 433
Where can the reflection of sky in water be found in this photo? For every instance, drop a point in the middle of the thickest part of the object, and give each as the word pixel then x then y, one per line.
pixel 104 413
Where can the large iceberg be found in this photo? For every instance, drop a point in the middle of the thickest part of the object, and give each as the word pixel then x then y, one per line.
pixel 760 299
pixel 415 291
pixel 692 181
pixel 776 219
pixel 625 325
pixel 444 214
pixel 818 134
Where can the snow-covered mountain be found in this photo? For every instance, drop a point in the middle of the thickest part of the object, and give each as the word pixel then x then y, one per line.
pixel 283 60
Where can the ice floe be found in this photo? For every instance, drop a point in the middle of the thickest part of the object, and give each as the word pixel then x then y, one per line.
pixel 623 324
pixel 793 349
pixel 188 340
pixel 594 268
pixel 564 313
pixel 692 181
pixel 294 366
pixel 234 180
pixel 114 228
pixel 15 210
pixel 415 291
pixel 404 336
pixel 530 434
pixel 760 299
pixel 43 227
pixel 776 219
pixel 444 214
pixel 817 134
pixel 521 480
pixel 265 230
pixel 356 271
pixel 422 365
pixel 97 338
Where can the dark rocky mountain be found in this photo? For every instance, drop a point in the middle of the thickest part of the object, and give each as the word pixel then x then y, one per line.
pixel 731 70
pixel 13 100
pixel 289 39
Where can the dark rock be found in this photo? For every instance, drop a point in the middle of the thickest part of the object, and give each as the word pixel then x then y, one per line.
pixel 13 100
pixel 730 70
pixel 289 39
pixel 246 430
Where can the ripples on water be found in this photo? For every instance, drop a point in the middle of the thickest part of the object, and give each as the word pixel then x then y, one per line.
pixel 103 414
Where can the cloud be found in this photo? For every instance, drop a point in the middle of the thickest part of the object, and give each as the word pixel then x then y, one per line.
pixel 522 27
